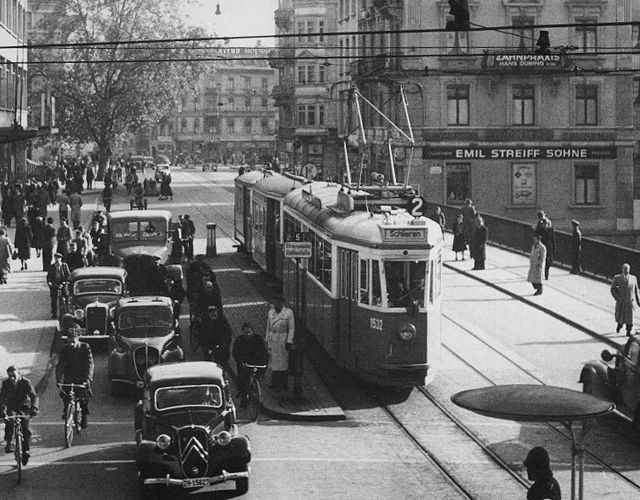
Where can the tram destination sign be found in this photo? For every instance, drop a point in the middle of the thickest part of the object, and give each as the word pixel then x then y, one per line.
pixel 297 245
pixel 497 152
pixel 404 234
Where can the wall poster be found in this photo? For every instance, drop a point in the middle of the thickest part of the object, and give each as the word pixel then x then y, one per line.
pixel 523 184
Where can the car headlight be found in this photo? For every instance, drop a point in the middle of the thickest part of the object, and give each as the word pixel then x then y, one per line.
pixel 224 438
pixel 407 332
pixel 163 441
pixel 78 313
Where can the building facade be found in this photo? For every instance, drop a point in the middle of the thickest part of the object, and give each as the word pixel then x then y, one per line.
pixel 514 130
pixel 307 130
pixel 231 119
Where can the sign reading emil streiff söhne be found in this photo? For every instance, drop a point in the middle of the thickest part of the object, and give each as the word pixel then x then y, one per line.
pixel 540 152
pixel 523 184
pixel 297 245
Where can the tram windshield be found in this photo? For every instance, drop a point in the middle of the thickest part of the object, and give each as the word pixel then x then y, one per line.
pixel 405 282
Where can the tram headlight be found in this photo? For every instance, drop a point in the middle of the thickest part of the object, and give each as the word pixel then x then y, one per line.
pixel 79 314
pixel 407 332
pixel 163 441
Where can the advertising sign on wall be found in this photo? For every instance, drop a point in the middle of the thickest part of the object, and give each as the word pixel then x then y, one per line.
pixel 498 152
pixel 523 184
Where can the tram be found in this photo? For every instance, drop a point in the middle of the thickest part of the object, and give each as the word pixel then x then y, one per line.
pixel 242 208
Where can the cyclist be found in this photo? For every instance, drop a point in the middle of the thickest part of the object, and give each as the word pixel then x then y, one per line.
pixel 75 366
pixel 215 335
pixel 249 349
pixel 17 395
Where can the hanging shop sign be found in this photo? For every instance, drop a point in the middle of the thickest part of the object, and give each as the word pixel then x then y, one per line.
pixel 541 152
pixel 523 62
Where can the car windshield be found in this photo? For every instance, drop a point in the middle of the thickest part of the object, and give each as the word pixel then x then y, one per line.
pixel 145 321
pixel 146 230
pixel 97 285
pixel 206 396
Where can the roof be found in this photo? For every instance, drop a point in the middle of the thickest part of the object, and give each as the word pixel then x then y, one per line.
pixel 184 372
pixel 276 186
pixel 359 226
pixel 250 177
pixel 99 272
pixel 139 215
pixel 145 300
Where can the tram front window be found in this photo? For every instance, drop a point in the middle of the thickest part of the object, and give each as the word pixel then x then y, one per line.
pixel 405 283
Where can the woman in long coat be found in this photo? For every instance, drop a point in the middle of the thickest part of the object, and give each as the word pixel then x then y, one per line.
pixel 23 239
pixel 280 333
pixel 624 289
pixel 536 264
pixel 459 242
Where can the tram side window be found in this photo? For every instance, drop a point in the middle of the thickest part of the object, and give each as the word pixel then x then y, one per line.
pixel 364 281
pixel 325 265
pixel 405 282
pixel 376 288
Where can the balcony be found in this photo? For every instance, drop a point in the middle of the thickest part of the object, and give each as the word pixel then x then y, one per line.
pixel 380 65
pixel 283 18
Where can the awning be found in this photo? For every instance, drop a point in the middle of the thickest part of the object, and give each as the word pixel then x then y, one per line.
pixel 17 134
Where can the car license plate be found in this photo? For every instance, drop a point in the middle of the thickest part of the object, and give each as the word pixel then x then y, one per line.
pixel 139 384
pixel 194 483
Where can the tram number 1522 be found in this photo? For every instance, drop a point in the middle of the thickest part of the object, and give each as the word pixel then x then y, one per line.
pixel 375 323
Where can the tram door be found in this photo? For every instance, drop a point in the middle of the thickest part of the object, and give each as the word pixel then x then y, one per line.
pixel 246 218
pixel 271 236
pixel 347 304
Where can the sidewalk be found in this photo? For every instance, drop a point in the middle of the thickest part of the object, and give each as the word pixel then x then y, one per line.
pixel 240 281
pixel 583 302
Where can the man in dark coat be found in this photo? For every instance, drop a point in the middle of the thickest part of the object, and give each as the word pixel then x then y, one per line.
pixel 48 243
pixel 177 293
pixel 17 395
pixel 57 276
pixel 544 229
pixel 75 366
pixel 576 248
pixel 215 335
pixel 545 487
pixel 188 234
pixel 75 259
pixel 250 349
pixel 479 243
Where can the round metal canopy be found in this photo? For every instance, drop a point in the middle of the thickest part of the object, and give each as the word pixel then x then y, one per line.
pixel 532 403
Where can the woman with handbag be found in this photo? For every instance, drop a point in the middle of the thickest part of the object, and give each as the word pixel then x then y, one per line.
pixel 23 239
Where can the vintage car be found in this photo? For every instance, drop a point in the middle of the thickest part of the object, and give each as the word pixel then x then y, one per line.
pixel 90 300
pixel 185 429
pixel 617 377
pixel 144 334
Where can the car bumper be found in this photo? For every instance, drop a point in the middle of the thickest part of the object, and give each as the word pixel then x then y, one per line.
pixel 197 482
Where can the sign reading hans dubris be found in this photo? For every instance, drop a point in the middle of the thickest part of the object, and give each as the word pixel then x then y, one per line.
pixel 496 152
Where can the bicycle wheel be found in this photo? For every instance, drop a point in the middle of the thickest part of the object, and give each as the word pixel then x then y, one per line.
pixel 18 452
pixel 69 426
pixel 77 418
pixel 253 401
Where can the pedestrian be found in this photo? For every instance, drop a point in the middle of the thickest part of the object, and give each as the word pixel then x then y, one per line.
pixel 537 261
pixel 547 236
pixel 75 259
pixel 248 349
pixel 57 276
pixel 188 234
pixel 75 202
pixel 544 486
pixel 36 229
pixel 6 252
pixel 216 336
pixel 18 203
pixel 576 248
pixel 480 235
pixel 90 176
pixel 23 240
pixel 438 216
pixel 624 289
pixel 63 205
pixel 469 222
pixel 280 336
pixel 48 243
pixel 107 195
pixel 459 243
pixel 63 237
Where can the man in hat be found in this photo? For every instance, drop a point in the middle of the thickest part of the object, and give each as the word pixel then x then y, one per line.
pixel 75 366
pixel 17 395
pixel 545 230
pixel 57 276
pixel 576 248
pixel 48 243
pixel 544 486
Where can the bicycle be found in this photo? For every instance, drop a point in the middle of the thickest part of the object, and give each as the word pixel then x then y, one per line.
pixel 73 413
pixel 18 439
pixel 253 396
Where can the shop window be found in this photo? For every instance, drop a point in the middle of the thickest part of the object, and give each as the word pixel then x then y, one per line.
pixel 458 104
pixel 523 104
pixel 586 104
pixel 587 184
pixel 458 183
pixel 586 37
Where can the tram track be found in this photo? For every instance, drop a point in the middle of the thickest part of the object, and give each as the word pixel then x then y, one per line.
pixel 588 454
